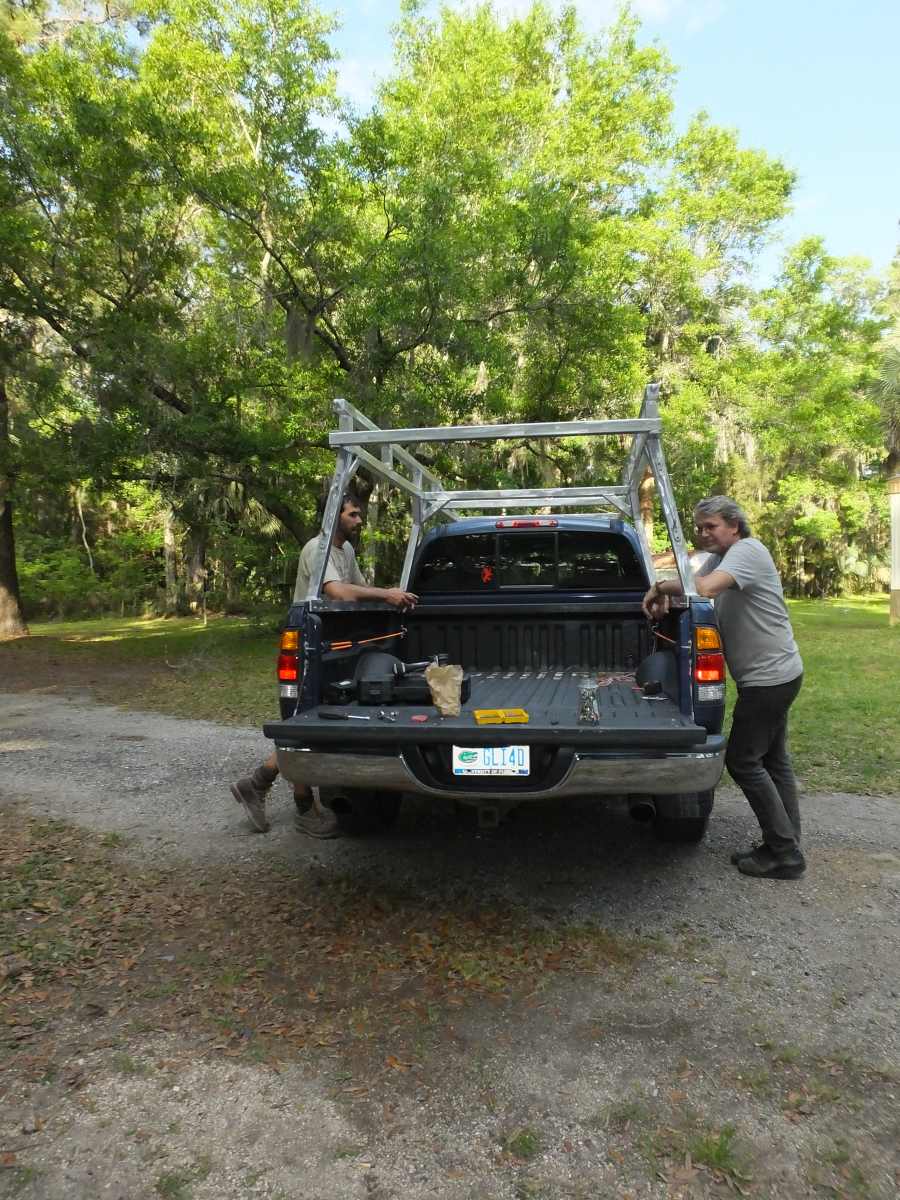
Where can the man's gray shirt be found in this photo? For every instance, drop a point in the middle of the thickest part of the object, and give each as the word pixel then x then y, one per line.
pixel 753 620
pixel 342 568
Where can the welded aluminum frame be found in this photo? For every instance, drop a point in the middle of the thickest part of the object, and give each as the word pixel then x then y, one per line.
pixel 357 437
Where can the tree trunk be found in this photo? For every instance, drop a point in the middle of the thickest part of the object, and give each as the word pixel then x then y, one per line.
pixel 285 515
pixel 646 492
pixel 893 486
pixel 12 622
pixel 230 584
pixel 196 568
pixel 170 554
pixel 371 541
pixel 79 508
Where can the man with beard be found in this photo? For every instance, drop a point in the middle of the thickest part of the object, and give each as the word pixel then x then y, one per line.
pixel 343 581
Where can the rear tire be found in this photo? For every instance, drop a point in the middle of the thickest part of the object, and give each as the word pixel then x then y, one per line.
pixel 671 826
pixel 680 829
pixel 360 813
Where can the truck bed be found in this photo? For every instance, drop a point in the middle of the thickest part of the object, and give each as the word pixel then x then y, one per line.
pixel 627 718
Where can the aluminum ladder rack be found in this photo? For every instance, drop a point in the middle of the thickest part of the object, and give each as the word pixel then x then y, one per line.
pixel 360 442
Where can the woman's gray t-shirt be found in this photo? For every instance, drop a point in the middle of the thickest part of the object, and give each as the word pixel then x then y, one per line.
pixel 756 630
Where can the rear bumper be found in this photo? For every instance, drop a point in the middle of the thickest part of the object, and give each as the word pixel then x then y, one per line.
pixel 589 773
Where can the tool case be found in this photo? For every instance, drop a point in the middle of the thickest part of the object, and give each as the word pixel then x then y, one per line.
pixel 382 678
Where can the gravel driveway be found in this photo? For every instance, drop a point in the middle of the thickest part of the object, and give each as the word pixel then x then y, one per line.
pixel 750 1047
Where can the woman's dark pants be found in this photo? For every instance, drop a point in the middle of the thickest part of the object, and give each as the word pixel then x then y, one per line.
pixel 758 761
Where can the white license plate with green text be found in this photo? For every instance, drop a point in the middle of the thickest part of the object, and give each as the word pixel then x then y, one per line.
pixel 491 760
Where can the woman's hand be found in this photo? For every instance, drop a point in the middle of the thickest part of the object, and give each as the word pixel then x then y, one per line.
pixel 655 603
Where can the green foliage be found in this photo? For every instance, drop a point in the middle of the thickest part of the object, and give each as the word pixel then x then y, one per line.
pixel 715 1149
pixel 200 245
pixel 523 1143
pixel 58 580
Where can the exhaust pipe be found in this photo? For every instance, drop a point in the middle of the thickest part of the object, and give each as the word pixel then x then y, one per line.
pixel 642 808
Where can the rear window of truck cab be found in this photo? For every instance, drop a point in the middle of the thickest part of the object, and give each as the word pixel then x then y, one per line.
pixel 546 560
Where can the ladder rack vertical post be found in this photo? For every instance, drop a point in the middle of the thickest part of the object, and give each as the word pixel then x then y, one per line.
pixel 414 534
pixel 636 465
pixel 670 509
pixel 344 471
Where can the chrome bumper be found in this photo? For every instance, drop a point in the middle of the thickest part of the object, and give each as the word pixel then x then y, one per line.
pixel 589 774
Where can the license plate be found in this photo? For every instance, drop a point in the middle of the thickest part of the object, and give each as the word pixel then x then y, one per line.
pixel 491 760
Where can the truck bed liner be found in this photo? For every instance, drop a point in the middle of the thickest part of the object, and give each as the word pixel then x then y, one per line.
pixel 551 698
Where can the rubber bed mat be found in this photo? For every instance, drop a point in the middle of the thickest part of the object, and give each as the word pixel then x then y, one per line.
pixel 551 698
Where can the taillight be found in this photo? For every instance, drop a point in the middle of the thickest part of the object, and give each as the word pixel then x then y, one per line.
pixel 288 670
pixel 289 656
pixel 710 668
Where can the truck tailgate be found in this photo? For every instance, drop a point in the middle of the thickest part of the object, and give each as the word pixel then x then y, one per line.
pixel 626 718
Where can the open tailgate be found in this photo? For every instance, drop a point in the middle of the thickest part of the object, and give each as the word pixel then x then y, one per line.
pixel 627 718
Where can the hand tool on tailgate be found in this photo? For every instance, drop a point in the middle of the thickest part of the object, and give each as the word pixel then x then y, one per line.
pixel 335 714
pixel 500 716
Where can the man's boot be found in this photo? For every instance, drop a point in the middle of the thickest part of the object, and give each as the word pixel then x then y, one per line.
pixel 251 791
pixel 766 864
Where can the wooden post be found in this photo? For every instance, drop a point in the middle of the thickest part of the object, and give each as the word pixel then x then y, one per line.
pixel 893 487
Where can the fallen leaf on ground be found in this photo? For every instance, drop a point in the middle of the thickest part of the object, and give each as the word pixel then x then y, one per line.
pixel 682 1175
pixel 396 1063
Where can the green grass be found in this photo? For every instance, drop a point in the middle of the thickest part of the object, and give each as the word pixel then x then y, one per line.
pixel 223 671
pixel 842 730
pixel 843 1175
pixel 843 725
pixel 19 1178
pixel 715 1149
pixel 126 1065
pixel 178 1184
pixel 523 1143
pixel 621 1114
pixel 703 1146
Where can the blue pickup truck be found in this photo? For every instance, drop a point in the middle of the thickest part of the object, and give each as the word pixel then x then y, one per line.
pixel 543 613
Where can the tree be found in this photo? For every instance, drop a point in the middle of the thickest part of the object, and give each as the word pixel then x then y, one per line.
pixel 112 262
pixel 817 427
pixel 203 246
pixel 12 622
pixel 886 391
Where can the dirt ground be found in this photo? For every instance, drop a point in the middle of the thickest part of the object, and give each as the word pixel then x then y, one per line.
pixel 562 1008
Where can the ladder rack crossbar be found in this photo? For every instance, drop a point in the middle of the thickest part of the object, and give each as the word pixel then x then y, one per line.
pixel 513 502
pixel 378 467
pixel 345 409
pixel 529 495
pixel 483 433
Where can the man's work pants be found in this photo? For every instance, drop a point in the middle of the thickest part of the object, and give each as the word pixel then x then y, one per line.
pixel 758 761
